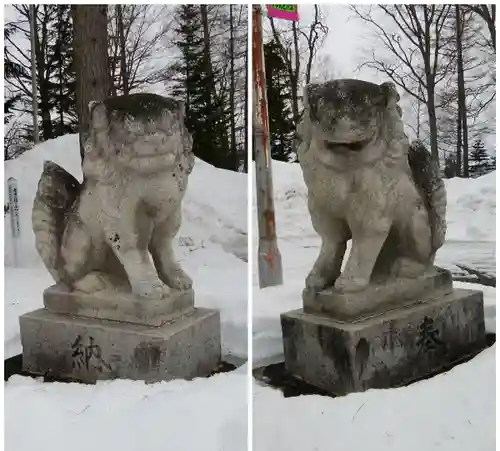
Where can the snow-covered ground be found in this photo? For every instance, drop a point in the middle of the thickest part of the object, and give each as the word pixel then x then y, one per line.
pixel 204 414
pixel 200 415
pixel 454 411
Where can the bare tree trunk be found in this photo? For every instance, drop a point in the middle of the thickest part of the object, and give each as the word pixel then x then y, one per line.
pixel 313 37
pixel 33 38
pixel 313 40
pixel 419 105
pixel 234 151
pixel 431 110
pixel 41 48
pixel 294 77
pixel 422 26
pixel 123 55
pixel 61 80
pixel 431 79
pixel 210 88
pixel 458 164
pixel 211 94
pixel 489 18
pixel 462 108
pixel 245 114
pixel 91 57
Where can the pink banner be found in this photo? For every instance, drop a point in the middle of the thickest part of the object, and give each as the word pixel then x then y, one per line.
pixel 286 12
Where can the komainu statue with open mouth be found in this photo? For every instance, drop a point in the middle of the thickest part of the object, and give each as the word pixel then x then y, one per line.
pixel 367 183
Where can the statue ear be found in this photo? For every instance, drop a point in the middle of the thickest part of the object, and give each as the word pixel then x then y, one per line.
pixel 312 101
pixel 390 93
pixel 182 109
pixel 98 116
pixel 305 98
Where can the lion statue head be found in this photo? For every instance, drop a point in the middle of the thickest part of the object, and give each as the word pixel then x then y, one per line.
pixel 141 133
pixel 352 122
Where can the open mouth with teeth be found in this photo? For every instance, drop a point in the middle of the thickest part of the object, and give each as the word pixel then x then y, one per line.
pixel 343 147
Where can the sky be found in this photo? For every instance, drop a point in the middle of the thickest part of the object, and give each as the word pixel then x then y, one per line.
pixel 345 43
pixel 346 46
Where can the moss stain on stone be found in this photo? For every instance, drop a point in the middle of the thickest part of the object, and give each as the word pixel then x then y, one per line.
pixel 345 97
pixel 143 106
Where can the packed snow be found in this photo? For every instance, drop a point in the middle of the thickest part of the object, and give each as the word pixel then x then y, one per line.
pixel 472 208
pixel 204 414
pixel 128 415
pixel 454 411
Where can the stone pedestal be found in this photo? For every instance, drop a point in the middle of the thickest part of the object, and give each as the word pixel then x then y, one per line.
pixel 86 349
pixel 119 305
pixel 385 350
pixel 379 296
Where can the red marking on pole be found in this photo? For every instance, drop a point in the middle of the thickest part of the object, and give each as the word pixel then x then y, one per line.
pixel 269 257
pixel 270 224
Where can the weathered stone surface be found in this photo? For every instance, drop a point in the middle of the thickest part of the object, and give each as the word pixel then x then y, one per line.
pixel 89 349
pixel 378 297
pixel 370 325
pixel 387 350
pixel 119 306
pixel 98 237
pixel 366 183
pixel 108 245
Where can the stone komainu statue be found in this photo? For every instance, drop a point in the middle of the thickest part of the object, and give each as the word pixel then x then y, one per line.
pixel 96 236
pixel 366 182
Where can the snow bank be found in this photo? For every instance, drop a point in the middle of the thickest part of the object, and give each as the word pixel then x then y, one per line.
pixel 214 209
pixel 472 208
pixel 471 211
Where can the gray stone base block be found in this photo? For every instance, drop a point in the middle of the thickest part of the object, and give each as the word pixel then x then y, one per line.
pixel 119 306
pixel 90 349
pixel 383 351
pixel 379 296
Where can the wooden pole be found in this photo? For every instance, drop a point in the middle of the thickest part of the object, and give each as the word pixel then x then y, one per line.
pixel 269 257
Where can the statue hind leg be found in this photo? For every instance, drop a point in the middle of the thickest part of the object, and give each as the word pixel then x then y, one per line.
pixel 84 261
pixel 416 253
pixel 75 248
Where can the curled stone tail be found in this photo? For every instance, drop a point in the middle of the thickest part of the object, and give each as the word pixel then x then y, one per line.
pixel 57 192
pixel 426 175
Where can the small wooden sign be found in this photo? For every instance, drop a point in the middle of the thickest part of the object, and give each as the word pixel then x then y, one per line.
pixel 14 207
pixel 286 12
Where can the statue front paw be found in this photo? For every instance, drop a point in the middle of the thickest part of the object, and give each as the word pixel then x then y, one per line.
pixel 314 282
pixel 181 281
pixel 347 283
pixel 151 290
